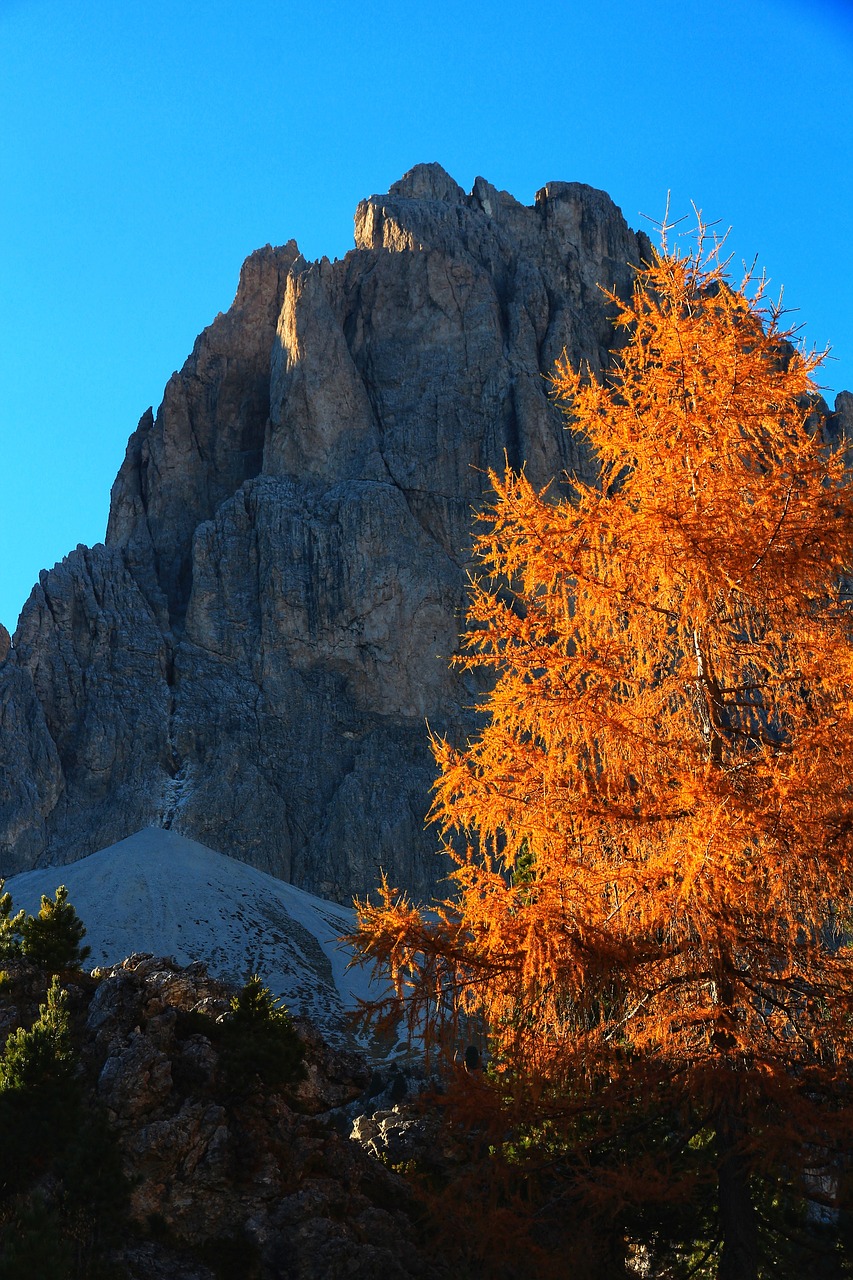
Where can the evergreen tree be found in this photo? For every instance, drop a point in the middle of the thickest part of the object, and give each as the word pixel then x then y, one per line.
pixel 667 755
pixel 37 1092
pixel 10 926
pixel 43 1056
pixel 63 1194
pixel 259 1039
pixel 52 938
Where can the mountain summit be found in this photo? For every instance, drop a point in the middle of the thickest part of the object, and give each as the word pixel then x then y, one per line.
pixel 251 657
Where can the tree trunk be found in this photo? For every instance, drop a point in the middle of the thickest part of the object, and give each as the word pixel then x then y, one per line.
pixel 738 1227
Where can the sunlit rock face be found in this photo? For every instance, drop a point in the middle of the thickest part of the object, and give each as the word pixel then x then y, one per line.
pixel 253 657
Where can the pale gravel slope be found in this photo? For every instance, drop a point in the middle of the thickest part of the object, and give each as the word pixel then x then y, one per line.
pixel 160 892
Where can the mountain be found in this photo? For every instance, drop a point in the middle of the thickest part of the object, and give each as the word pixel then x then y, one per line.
pixel 252 656
pixel 160 893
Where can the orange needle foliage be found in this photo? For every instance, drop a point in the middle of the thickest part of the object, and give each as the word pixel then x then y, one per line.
pixel 653 830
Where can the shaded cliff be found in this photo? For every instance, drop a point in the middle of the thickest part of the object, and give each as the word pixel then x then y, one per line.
pixel 251 657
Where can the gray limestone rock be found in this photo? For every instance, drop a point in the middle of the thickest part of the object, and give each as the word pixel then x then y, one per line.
pixel 90 671
pixel 206 439
pixel 253 657
pixel 31 782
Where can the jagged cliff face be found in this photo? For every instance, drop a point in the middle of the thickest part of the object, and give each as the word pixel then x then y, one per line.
pixel 252 656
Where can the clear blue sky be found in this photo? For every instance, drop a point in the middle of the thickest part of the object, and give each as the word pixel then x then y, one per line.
pixel 147 148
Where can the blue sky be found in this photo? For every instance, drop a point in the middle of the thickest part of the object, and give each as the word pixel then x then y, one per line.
pixel 147 148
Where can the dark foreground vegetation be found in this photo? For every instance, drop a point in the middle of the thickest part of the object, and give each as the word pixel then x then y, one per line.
pixel 142 1138
pixel 156 1126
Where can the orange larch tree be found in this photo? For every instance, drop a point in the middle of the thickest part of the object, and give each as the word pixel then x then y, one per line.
pixel 653 831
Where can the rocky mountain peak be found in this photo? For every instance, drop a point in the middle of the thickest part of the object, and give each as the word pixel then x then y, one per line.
pixel 428 182
pixel 251 658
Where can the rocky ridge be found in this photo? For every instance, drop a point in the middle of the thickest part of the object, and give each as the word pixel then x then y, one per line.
pixel 222 1178
pixel 251 657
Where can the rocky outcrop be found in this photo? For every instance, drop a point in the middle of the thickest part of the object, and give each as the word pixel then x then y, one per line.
pixel 223 1175
pixel 253 656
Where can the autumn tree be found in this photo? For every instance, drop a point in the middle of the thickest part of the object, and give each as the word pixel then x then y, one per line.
pixel 652 832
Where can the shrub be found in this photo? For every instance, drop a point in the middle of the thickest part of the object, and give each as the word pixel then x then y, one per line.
pixel 259 1039
pixel 33 1246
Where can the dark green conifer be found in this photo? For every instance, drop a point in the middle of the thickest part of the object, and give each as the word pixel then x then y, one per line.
pixel 42 1056
pixel 37 1092
pixel 52 938
pixel 260 1039
pixel 10 926
pixel 63 1194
